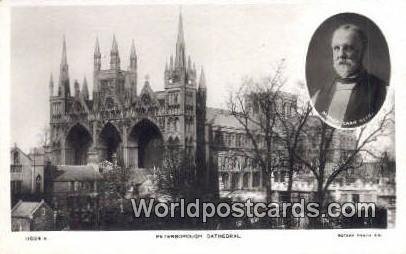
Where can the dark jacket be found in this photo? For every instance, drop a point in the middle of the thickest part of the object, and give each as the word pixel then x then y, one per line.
pixel 365 101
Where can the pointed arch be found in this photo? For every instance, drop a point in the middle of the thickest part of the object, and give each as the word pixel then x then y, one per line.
pixel 109 142
pixel 225 179
pixel 81 124
pixel 77 143
pixel 145 144
pixel 170 140
pixel 38 184
pixel 246 180
pixel 235 181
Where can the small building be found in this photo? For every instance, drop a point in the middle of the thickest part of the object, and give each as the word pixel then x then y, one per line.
pixel 27 174
pixel 76 194
pixel 32 216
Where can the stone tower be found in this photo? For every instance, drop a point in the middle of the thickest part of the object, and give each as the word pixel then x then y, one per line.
pixel 180 89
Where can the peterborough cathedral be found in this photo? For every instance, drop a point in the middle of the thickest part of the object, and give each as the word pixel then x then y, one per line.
pixel 119 121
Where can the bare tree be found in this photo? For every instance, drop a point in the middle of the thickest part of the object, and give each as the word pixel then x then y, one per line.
pixel 341 159
pixel 44 137
pixel 253 105
pixel 293 128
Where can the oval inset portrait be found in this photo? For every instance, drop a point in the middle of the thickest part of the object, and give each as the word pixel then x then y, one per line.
pixel 347 70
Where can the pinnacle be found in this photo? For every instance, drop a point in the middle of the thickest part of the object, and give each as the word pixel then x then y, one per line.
pixel 114 48
pixel 85 89
pixel 133 52
pixel 202 82
pixel 97 48
pixel 180 59
pixel 171 62
pixel 64 60
pixel 180 29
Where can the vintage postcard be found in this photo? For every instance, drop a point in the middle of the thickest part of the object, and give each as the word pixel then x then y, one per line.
pixel 202 124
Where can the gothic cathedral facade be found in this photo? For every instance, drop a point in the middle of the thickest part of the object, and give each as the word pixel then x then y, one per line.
pixel 118 122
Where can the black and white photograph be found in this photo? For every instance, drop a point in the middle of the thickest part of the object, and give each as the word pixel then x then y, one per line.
pixel 348 70
pixel 201 123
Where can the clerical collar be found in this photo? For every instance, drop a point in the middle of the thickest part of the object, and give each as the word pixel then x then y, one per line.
pixel 356 78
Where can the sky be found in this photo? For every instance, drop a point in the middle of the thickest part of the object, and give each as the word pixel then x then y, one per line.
pixel 229 42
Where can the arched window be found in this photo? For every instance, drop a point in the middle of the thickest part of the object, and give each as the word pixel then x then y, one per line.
pixel 225 181
pixel 235 181
pixel 256 181
pixel 109 103
pixel 175 124
pixel 38 184
pixel 238 140
pixel 245 180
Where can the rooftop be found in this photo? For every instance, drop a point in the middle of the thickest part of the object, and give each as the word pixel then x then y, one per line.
pixel 25 209
pixel 222 117
pixel 68 173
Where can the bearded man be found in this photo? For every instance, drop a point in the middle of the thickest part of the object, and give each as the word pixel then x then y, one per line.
pixel 354 96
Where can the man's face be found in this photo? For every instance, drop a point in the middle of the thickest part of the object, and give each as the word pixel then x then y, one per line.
pixel 347 52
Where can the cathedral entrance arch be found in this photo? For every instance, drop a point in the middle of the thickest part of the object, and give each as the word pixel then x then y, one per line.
pixel 78 142
pixel 145 145
pixel 109 143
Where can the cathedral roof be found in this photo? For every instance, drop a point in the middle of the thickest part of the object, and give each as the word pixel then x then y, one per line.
pixel 222 118
pixel 67 173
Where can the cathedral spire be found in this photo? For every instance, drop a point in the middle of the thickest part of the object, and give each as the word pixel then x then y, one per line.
pixel 202 82
pixel 189 63
pixel 133 57
pixel 97 56
pixel 77 89
pixel 51 86
pixel 180 29
pixel 171 67
pixel 133 53
pixel 64 60
pixel 64 85
pixel 85 89
pixel 180 58
pixel 114 56
pixel 97 48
